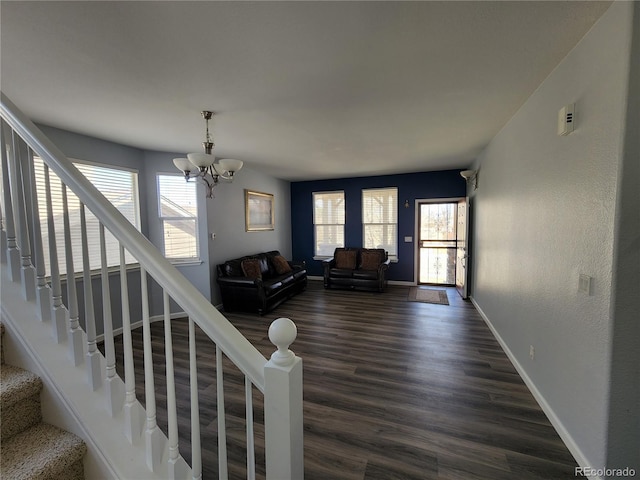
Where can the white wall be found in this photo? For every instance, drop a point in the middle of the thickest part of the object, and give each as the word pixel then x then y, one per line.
pixel 545 212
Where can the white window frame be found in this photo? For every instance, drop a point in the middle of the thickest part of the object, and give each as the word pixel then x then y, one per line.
pixel 339 224
pixel 113 246
pixel 389 218
pixel 177 259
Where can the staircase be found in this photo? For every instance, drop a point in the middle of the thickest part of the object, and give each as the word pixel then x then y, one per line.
pixel 31 449
pixel 60 337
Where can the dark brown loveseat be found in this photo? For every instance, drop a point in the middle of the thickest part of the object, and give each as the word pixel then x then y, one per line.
pixel 260 282
pixel 357 268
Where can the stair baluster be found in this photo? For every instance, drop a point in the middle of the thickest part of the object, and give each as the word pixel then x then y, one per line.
pixel 153 437
pixel 43 292
pixel 132 414
pixel 75 333
pixel 11 226
pixel 251 449
pixel 223 472
pixel 58 310
pixel 94 375
pixel 112 387
pixel 177 465
pixel 196 454
pixel 27 272
pixel 12 255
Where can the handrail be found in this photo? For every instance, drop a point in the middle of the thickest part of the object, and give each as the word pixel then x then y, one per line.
pixel 234 345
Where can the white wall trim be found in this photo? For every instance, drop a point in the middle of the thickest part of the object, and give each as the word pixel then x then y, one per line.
pixel 403 283
pixel 566 437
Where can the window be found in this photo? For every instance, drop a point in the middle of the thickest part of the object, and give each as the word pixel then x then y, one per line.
pixel 118 185
pixel 178 211
pixel 380 219
pixel 328 222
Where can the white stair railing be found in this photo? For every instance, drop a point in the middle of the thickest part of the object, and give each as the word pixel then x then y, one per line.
pixel 279 378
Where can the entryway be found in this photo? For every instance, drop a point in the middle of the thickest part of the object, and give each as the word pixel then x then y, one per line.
pixel 441 256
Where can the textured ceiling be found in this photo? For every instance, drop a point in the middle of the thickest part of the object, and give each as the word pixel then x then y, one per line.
pixel 301 90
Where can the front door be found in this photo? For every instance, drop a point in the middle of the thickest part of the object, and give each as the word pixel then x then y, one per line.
pixel 462 249
pixel 437 243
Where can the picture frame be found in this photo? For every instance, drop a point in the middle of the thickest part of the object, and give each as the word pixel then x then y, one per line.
pixel 260 212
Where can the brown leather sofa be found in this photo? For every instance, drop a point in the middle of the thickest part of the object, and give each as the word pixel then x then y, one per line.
pixel 260 282
pixel 357 268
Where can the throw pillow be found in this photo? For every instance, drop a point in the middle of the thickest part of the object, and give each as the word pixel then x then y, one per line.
pixel 251 268
pixel 370 260
pixel 346 259
pixel 280 264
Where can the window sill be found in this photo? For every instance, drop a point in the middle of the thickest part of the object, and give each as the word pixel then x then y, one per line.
pixel 186 263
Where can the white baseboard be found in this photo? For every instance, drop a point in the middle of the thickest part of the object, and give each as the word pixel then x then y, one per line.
pixel 317 278
pixel 566 437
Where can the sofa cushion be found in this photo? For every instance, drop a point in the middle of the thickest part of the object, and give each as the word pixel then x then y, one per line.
pixel 342 272
pixel 280 264
pixel 371 259
pixel 365 274
pixel 251 268
pixel 345 259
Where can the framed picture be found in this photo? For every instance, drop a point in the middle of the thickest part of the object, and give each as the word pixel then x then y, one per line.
pixel 259 211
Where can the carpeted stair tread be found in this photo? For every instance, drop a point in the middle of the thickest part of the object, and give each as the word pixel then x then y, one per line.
pixel 40 453
pixel 16 385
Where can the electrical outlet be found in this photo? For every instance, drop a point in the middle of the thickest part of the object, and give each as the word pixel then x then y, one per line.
pixel 532 352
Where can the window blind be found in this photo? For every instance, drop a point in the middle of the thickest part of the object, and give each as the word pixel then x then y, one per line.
pixel 178 210
pixel 328 220
pixel 119 186
pixel 380 219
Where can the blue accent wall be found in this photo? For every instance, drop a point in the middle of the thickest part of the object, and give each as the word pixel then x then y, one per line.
pixel 411 186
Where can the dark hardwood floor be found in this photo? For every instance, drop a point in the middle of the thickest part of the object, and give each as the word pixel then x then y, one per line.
pixel 392 390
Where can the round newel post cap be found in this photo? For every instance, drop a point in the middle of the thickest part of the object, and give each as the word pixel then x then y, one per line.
pixel 282 333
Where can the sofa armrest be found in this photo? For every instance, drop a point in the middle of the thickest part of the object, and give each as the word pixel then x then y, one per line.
pixel 239 281
pixel 382 268
pixel 299 264
pixel 329 263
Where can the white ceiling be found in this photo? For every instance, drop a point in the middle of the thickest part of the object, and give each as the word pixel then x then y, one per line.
pixel 301 90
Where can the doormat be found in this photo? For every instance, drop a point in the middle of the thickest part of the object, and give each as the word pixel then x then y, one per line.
pixel 428 295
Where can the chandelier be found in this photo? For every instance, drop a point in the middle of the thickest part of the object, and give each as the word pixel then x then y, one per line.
pixel 204 166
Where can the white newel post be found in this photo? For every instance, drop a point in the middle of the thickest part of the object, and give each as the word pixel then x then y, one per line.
pixel 283 416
